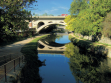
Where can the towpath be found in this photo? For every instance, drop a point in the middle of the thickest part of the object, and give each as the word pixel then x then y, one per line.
pixel 15 48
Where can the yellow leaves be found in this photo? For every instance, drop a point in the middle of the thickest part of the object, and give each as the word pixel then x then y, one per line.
pixel 67 19
pixel 70 21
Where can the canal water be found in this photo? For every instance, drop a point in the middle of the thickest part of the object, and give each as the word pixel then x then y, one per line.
pixel 72 65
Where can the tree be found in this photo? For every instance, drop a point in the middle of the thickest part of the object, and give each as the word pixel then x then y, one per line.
pixel 91 15
pixel 13 16
pixel 77 6
pixel 69 20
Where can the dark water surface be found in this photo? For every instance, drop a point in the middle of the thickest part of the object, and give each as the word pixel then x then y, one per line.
pixel 74 65
pixel 57 69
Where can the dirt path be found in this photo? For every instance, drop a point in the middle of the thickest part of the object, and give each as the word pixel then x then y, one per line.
pixel 15 48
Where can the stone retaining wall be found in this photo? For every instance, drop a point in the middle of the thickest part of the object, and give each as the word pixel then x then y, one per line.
pixel 101 40
pixel 90 46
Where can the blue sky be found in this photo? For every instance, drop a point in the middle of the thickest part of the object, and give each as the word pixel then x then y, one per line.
pixel 55 7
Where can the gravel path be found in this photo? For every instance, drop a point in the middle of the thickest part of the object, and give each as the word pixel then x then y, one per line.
pixel 15 48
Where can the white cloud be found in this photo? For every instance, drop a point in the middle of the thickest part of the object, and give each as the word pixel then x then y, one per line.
pixel 59 6
pixel 51 11
pixel 64 8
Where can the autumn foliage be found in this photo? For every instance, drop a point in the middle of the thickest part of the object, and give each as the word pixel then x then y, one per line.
pixel 87 17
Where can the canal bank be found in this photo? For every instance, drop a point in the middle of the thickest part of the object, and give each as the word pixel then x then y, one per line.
pixel 15 49
pixel 90 46
pixel 30 72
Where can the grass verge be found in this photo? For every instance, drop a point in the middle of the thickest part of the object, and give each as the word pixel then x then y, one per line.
pixel 89 46
pixel 95 43
pixel 30 72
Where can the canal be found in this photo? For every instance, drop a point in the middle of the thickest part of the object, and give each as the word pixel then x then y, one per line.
pixel 72 65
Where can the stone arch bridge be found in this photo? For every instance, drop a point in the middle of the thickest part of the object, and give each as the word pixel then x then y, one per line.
pixel 45 22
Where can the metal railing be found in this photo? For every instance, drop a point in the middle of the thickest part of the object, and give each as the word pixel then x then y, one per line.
pixel 11 65
pixel 4 59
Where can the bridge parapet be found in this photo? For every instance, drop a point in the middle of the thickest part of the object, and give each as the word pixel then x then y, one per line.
pixel 39 22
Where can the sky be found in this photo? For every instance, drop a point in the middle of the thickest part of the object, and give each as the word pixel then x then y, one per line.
pixel 54 7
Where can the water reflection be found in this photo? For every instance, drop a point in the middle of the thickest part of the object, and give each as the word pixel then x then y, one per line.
pixel 48 44
pixel 56 70
pixel 60 39
pixel 87 67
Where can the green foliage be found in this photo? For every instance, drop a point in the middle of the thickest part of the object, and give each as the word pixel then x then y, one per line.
pixel 50 38
pixel 88 20
pixel 106 25
pixel 13 16
pixel 77 6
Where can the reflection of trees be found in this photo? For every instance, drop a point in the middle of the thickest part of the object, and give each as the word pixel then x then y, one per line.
pixel 50 41
pixel 59 37
pixel 70 50
pixel 86 68
pixel 51 38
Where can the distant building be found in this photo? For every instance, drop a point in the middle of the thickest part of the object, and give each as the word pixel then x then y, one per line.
pixel 64 14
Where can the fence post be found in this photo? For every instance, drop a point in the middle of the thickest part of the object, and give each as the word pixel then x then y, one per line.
pixel 5 73
pixel 14 65
pixel 19 61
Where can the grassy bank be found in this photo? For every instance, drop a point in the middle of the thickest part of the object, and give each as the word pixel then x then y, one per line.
pixel 89 46
pixel 96 42
pixel 30 72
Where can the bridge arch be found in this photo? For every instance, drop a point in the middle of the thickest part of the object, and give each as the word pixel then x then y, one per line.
pixel 40 24
pixel 41 27
pixel 50 48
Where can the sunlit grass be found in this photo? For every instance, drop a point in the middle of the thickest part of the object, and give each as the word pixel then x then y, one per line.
pixel 32 45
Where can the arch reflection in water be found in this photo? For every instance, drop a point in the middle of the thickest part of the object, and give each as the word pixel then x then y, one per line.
pixel 48 44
